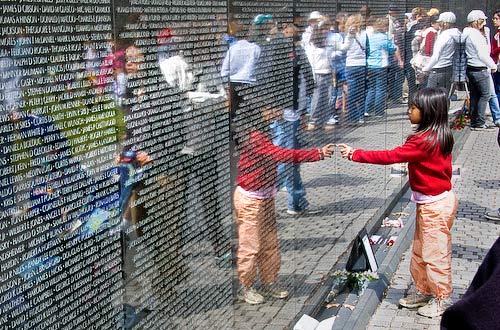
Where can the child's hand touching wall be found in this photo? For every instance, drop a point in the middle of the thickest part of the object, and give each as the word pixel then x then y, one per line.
pixel 345 150
pixel 327 151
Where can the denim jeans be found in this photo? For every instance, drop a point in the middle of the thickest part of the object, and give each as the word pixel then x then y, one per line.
pixel 441 78
pixel 479 82
pixel 377 91
pixel 335 94
pixel 411 80
pixel 493 102
pixel 395 78
pixel 285 135
pixel 336 91
pixel 320 105
pixel 496 81
pixel 356 91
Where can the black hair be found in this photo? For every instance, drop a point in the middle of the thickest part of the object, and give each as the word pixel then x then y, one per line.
pixel 433 104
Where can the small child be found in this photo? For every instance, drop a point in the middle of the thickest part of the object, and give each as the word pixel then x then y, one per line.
pixel 428 153
pixel 254 203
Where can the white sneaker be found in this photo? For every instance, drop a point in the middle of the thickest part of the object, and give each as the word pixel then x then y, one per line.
pixel 332 121
pixel 435 307
pixel 367 114
pixel 251 296
pixel 414 300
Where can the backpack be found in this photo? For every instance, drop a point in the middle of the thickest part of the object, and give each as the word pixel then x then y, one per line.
pixel 459 59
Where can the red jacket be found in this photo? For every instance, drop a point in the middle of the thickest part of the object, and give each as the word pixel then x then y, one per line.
pixel 495 48
pixel 259 160
pixel 429 172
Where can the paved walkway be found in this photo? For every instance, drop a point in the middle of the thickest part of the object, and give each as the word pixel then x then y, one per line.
pixel 478 190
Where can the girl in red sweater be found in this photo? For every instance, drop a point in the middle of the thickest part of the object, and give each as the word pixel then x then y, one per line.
pixel 254 203
pixel 428 154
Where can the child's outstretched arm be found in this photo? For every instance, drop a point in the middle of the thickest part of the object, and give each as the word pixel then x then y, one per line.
pixel 412 150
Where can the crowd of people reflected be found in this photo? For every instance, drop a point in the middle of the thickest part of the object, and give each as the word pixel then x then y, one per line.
pixel 143 146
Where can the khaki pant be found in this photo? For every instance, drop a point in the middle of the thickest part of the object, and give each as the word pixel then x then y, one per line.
pixel 258 248
pixel 430 264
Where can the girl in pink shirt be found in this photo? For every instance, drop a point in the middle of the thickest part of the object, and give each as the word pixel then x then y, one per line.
pixel 428 154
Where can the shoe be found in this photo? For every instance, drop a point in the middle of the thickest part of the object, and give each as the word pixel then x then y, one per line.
pixel 367 114
pixel 480 128
pixel 414 300
pixel 273 290
pixel 251 296
pixel 332 121
pixel 492 215
pixel 361 121
pixel 435 307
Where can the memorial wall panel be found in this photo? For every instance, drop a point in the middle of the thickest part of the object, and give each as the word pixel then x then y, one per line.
pixel 139 184
pixel 61 258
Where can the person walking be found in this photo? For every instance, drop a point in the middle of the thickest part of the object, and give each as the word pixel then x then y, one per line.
pixel 428 152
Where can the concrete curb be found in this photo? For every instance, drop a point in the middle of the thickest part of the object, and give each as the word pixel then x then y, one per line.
pixel 316 300
pixel 373 295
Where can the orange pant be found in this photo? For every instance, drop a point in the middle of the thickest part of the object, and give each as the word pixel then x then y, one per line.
pixel 258 247
pixel 430 264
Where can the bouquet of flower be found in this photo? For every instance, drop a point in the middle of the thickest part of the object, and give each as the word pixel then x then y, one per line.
pixel 460 122
pixel 354 280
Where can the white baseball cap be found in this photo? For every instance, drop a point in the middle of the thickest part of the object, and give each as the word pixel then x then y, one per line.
pixel 315 15
pixel 447 17
pixel 474 15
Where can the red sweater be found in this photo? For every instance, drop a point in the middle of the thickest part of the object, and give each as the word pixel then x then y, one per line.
pixel 495 48
pixel 429 172
pixel 259 160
